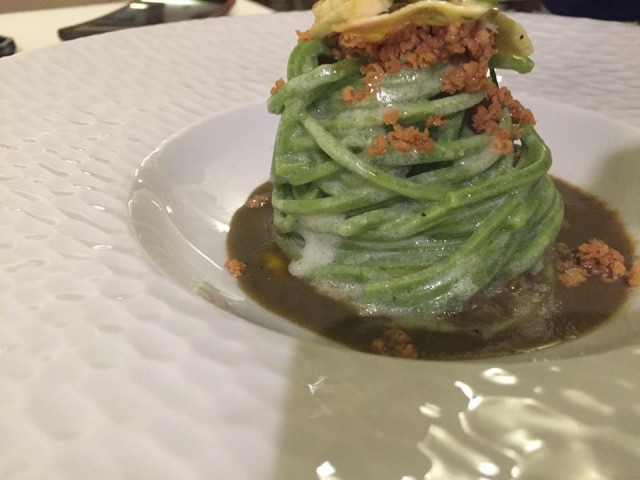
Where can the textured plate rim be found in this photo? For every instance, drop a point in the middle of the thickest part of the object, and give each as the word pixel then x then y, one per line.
pixel 193 113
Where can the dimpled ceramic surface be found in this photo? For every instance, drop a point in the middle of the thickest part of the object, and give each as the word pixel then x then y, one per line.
pixel 110 369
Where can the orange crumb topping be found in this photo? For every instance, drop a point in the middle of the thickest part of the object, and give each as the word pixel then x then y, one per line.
pixel 405 139
pixel 601 261
pixel 417 46
pixel 469 77
pixel 502 141
pixel 593 259
pixel 235 267
pixel 516 132
pixel 394 342
pixel 373 76
pixel 402 139
pixel 303 35
pixel 378 146
pixel 390 116
pixel 633 275
pixel 488 116
pixel 277 86
pixel 435 121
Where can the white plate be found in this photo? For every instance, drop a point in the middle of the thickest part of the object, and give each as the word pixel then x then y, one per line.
pixel 111 368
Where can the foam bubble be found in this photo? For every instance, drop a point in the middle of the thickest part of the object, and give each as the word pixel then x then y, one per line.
pixel 319 249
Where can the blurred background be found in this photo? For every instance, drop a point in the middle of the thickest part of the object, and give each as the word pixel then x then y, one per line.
pixel 31 24
pixel 283 5
pixel 602 9
pixel 9 6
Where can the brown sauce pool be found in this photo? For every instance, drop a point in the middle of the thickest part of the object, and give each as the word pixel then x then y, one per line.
pixel 528 317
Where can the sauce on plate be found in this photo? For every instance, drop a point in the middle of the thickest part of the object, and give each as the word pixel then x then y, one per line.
pixel 533 313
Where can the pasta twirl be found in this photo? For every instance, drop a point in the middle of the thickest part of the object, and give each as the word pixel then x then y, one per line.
pixel 404 180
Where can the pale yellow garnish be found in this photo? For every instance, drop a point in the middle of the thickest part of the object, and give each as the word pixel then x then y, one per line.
pixel 328 13
pixel 424 12
pixel 368 18
pixel 512 39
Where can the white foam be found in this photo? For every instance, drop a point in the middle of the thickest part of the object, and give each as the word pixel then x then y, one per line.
pixel 465 286
pixel 319 249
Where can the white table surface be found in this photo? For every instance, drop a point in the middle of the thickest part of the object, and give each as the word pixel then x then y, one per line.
pixel 39 28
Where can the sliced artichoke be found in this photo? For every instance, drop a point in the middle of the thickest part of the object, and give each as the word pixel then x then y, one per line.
pixel 424 12
pixel 328 13
pixel 372 20
pixel 368 18
pixel 512 38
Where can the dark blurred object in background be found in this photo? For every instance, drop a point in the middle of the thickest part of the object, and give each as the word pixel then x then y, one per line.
pixel 147 12
pixel 288 5
pixel 620 10
pixel 625 10
pixel 522 5
pixel 7 46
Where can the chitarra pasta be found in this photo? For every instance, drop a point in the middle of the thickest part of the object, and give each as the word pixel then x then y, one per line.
pixel 409 210
pixel 405 180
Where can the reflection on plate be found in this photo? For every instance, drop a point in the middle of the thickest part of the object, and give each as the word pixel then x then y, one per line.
pixel 183 199
pixel 107 362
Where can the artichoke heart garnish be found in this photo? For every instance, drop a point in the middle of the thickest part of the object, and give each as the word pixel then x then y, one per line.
pixel 374 19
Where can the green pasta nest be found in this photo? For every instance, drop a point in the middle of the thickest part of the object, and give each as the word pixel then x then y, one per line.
pixel 402 232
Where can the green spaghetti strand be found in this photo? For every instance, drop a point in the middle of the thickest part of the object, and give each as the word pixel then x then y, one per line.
pixel 403 231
